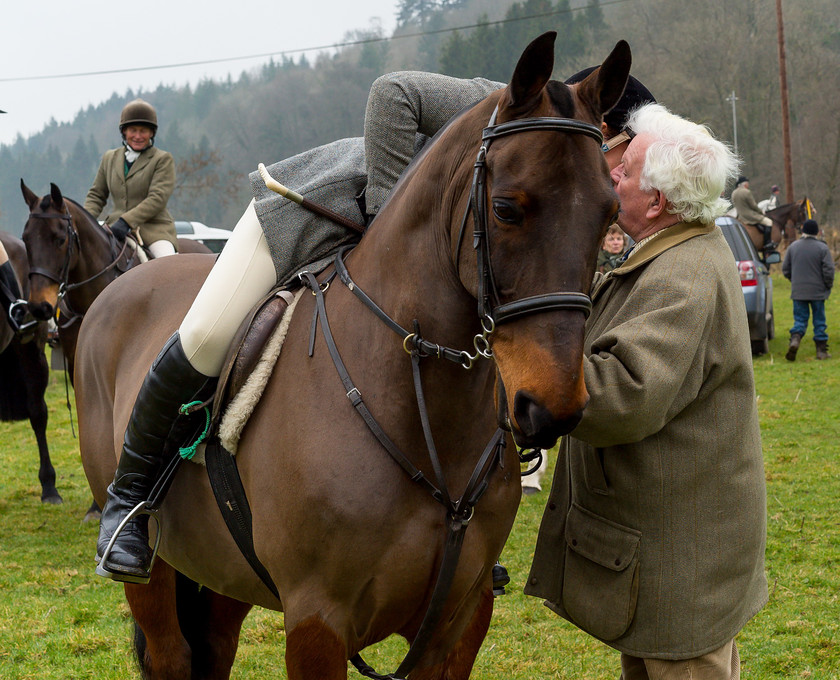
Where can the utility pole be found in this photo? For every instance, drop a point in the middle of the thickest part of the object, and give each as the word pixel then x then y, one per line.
pixel 789 192
pixel 732 98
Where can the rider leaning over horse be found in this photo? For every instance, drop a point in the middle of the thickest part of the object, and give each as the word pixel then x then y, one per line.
pixel 139 179
pixel 749 213
pixel 352 177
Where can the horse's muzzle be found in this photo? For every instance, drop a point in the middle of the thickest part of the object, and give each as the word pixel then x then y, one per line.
pixel 535 426
pixel 43 311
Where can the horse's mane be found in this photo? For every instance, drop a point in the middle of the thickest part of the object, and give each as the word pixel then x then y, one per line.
pixel 87 215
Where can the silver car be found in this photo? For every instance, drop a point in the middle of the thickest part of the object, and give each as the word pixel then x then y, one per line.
pixel 755 282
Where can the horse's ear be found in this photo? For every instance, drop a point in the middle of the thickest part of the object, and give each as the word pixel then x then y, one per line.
pixel 28 195
pixel 55 195
pixel 532 72
pixel 602 89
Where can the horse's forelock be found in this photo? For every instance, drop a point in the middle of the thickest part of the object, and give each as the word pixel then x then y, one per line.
pixel 560 96
pixel 46 202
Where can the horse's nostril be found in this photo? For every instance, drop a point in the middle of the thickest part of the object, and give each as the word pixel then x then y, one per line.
pixel 537 425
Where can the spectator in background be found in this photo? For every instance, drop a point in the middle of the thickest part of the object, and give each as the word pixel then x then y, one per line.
pixel 612 249
pixel 809 266
pixel 139 179
pixel 749 213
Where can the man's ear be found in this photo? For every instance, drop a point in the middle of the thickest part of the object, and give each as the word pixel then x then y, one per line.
pixel 657 205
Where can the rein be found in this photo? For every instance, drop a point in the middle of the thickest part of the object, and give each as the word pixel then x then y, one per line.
pixel 491 311
pixel 458 512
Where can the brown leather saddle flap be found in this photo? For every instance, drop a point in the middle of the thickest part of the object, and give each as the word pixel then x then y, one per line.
pixel 247 347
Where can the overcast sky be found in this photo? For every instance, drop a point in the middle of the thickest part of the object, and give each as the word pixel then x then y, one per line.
pixel 58 37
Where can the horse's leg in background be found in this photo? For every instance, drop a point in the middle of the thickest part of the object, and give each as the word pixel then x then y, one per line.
pixel 211 624
pixel 459 662
pixel 776 233
pixel 313 650
pixel 34 363
pixel 162 650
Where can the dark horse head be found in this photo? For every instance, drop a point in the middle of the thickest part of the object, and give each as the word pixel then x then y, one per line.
pixel 541 203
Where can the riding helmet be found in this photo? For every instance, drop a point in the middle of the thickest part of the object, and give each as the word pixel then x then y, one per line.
pixel 635 95
pixel 139 112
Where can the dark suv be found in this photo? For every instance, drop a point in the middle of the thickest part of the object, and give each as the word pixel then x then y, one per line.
pixel 755 282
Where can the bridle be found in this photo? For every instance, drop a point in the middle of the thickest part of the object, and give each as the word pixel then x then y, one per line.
pixel 491 311
pixel 63 276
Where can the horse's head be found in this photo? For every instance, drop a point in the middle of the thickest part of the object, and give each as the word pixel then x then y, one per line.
pixel 545 205
pixel 51 245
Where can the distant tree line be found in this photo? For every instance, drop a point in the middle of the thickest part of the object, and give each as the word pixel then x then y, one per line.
pixel 691 61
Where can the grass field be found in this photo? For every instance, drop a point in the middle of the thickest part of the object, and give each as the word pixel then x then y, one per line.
pixel 59 621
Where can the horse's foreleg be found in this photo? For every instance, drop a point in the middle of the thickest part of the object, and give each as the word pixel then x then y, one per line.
pixel 313 650
pixel 166 653
pixel 459 662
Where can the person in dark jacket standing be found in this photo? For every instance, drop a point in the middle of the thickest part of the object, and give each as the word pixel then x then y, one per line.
pixel 809 266
pixel 139 179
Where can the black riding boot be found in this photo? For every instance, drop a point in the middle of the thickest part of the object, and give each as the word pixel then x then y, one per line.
pixel 170 383
pixel 9 294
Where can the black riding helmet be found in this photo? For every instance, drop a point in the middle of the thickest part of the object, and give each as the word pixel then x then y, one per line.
pixel 635 94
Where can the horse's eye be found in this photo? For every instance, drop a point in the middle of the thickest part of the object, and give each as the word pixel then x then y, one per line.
pixel 507 211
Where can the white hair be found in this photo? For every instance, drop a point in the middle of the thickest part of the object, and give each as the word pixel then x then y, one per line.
pixel 685 162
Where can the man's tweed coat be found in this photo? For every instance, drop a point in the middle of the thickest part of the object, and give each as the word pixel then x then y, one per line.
pixel 140 197
pixel 654 532
pixel 401 106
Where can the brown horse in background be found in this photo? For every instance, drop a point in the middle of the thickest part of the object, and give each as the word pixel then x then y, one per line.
pixel 25 374
pixel 353 543
pixel 71 259
pixel 787 222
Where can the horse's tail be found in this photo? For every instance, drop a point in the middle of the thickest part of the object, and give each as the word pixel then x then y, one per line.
pixel 13 391
pixel 140 650
pixel 192 616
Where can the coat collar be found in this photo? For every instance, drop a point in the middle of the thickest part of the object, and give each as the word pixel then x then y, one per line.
pixel 679 233
pixel 142 161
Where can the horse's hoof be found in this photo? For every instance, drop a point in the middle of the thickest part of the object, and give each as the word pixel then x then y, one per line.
pixel 52 499
pixel 91 516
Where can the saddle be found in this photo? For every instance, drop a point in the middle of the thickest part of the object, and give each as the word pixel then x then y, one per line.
pixel 248 364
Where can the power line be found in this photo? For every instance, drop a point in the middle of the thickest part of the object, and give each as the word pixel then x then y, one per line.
pixel 265 55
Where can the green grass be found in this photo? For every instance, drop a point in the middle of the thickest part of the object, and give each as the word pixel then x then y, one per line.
pixel 57 620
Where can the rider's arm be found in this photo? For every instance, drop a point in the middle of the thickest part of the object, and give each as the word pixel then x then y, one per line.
pixel 402 105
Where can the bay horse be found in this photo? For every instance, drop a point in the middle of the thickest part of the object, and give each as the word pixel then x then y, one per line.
pixel 352 542
pixel 72 258
pixel 25 374
pixel 787 222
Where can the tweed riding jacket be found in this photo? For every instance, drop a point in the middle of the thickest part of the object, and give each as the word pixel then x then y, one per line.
pixel 654 533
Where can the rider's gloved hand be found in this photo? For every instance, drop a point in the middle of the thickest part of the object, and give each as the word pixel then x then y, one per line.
pixel 120 229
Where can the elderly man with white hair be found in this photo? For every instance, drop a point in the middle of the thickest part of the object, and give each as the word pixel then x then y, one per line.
pixel 653 536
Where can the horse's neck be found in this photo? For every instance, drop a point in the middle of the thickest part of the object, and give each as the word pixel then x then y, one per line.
pixel 405 264
pixel 94 256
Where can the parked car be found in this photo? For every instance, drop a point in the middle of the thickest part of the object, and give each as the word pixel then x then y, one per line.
pixel 211 237
pixel 755 282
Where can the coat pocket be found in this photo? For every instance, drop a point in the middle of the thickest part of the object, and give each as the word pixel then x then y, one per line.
pixel 601 574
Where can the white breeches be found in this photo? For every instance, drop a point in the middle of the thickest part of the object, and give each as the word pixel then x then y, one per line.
pixel 161 248
pixel 241 277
